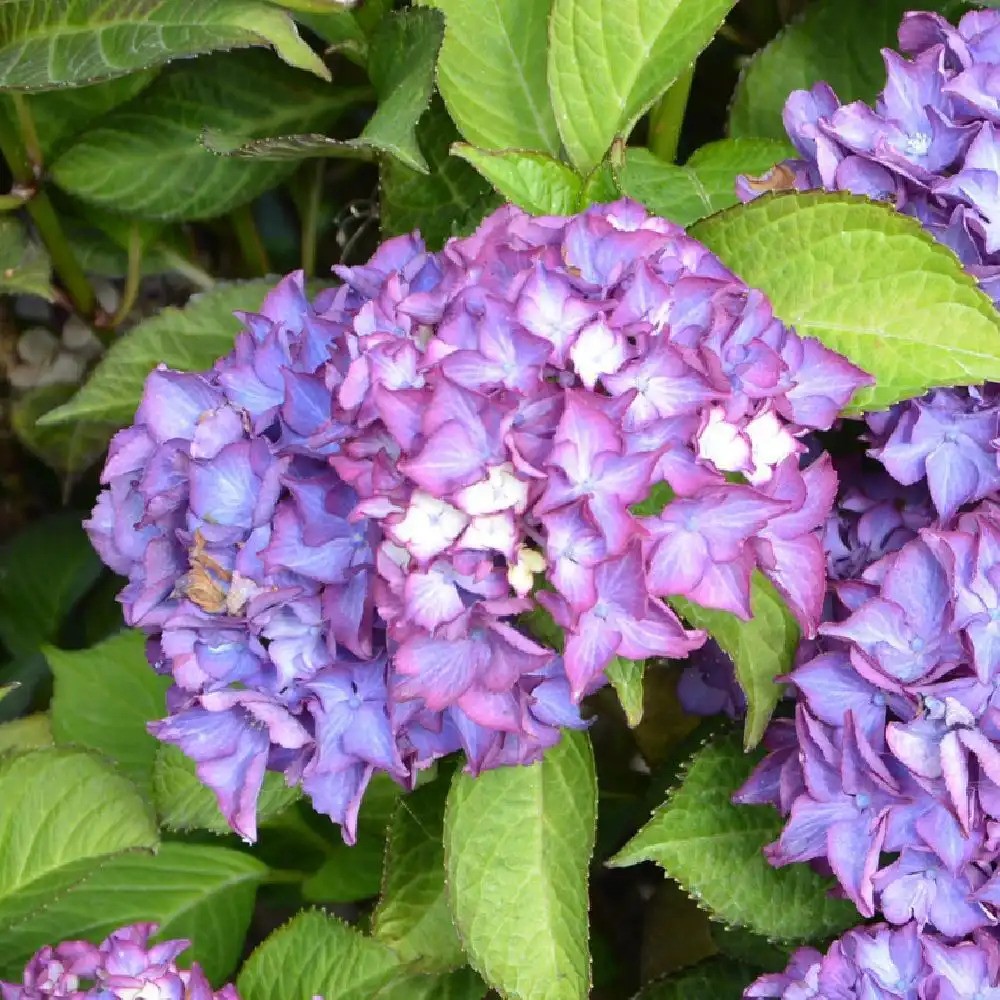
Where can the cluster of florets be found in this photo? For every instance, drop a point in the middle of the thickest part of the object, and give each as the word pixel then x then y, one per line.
pixel 125 966
pixel 895 745
pixel 333 537
pixel 883 963
pixel 930 145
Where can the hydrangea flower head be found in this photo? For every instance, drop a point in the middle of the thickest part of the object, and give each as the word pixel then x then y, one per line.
pixel 885 963
pixel 125 966
pixel 332 538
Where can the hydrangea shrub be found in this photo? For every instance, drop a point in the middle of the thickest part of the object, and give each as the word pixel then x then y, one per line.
pixel 599 482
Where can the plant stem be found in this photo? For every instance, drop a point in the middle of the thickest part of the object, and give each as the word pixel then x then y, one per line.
pixel 23 155
pixel 310 217
pixel 133 277
pixel 180 264
pixel 251 246
pixel 667 117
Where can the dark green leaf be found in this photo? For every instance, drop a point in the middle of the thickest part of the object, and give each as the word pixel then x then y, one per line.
pixel 462 984
pixel 714 849
pixel 145 158
pixel 103 698
pixel 705 184
pixel 47 44
pixel 187 339
pixel 492 73
pixel 401 66
pixel 24 264
pixel 68 449
pixel 44 571
pixel 202 893
pixel 716 979
pixel 449 201
pixel 316 954
pixel 413 917
pixel 838 41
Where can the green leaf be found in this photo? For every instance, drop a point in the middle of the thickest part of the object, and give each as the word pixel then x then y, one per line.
pixel 626 678
pixel 68 449
pixel 761 649
pixel 600 186
pixel 713 848
pixel 609 60
pixel 462 984
pixel 838 41
pixel 716 979
pixel 202 893
pixel 45 45
pixel 184 803
pixel 103 698
pixel 349 874
pixel 26 732
pixel 450 200
pixel 401 67
pixel 347 31
pixel 705 184
pixel 518 843
pixel 187 339
pixel 24 264
pixel 61 114
pixel 492 73
pixel 869 283
pixel 61 810
pixel 316 954
pixel 145 160
pixel 535 181
pixel 413 917
pixel 44 571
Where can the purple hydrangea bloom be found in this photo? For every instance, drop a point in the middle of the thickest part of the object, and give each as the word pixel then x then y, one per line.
pixel 885 963
pixel 332 537
pixel 896 747
pixel 707 684
pixel 125 966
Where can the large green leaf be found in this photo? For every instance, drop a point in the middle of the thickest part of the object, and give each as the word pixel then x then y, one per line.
pixel 347 30
pixel 413 917
pixel 47 44
pixel 401 67
pixel 61 811
pixel 705 184
pixel 535 181
pixel 713 848
pixel 518 843
pixel 145 158
pixel 868 282
pixel 838 41
pixel 26 732
pixel 184 803
pixel 316 954
pixel 202 893
pixel 492 73
pixel 24 265
pixel 450 200
pixel 462 984
pixel 44 571
pixel 716 979
pixel 60 114
pixel 103 698
pixel 609 60
pixel 761 649
pixel 188 339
